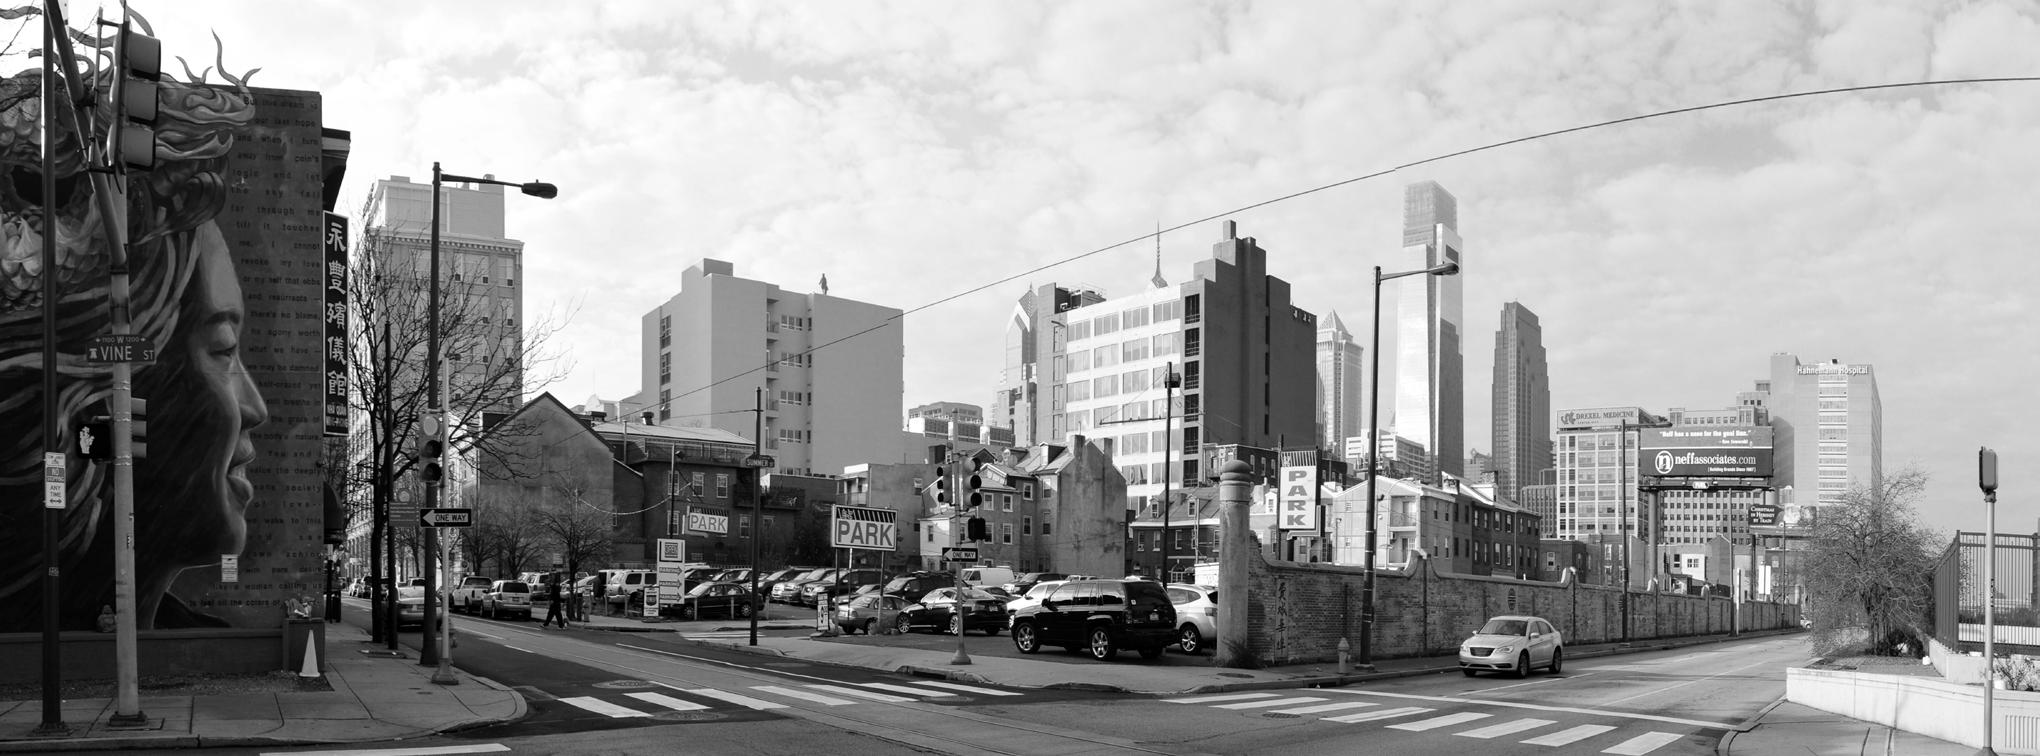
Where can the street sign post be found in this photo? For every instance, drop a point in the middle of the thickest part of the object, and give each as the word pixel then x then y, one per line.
pixel 446 517
pixel 959 554
pixel 760 460
pixel 119 347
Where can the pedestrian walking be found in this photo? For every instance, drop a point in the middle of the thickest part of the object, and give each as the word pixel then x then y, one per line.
pixel 553 602
pixel 600 594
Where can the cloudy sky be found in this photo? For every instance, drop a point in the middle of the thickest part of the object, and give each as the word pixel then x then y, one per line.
pixel 913 151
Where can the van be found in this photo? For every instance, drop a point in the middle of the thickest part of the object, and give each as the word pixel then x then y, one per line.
pixel 983 576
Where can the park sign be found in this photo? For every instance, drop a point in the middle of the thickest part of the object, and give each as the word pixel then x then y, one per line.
pixel 863 528
pixel 1298 507
pixel 1707 451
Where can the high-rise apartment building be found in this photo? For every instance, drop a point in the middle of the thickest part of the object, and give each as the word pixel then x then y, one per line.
pixel 481 270
pixel 953 411
pixel 1085 364
pixel 1597 476
pixel 1338 385
pixel 1828 427
pixel 1522 403
pixel 1430 395
pixel 832 389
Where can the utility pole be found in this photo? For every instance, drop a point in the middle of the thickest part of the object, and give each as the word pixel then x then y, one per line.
pixel 56 492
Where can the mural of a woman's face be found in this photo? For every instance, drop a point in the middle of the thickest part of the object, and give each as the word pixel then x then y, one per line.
pixel 213 347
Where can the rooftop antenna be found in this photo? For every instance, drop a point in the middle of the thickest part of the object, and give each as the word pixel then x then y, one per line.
pixel 1158 280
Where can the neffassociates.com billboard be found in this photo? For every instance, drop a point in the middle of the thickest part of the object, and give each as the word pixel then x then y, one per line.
pixel 1726 451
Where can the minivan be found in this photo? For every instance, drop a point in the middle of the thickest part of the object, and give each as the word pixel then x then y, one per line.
pixel 987 576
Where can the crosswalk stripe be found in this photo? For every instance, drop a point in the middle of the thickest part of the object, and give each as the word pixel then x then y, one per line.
pixel 1322 708
pixel 1266 704
pixel 1221 697
pixel 969 689
pixel 907 690
pixel 735 698
pixel 1437 722
pixel 881 697
pixel 604 708
pixel 1575 734
pixel 1383 714
pixel 1506 728
pixel 667 701
pixel 804 695
pixel 1642 744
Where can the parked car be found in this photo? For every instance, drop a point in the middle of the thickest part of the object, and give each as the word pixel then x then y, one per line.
pixel 1514 643
pixel 869 612
pixel 984 576
pixel 1196 616
pixel 467 596
pixel 1018 586
pixel 708 599
pixel 811 594
pixel 410 606
pixel 1031 598
pixel 868 589
pixel 787 591
pixel 937 609
pixel 507 598
pixel 1101 617
pixel 627 588
pixel 913 585
pixel 738 575
pixel 774 577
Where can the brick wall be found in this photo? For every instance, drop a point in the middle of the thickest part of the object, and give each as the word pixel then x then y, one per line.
pixel 1300 611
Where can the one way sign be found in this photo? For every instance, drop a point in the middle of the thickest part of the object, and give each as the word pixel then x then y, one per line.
pixel 446 517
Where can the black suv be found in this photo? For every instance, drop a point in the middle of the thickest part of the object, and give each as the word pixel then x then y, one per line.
pixel 1101 616
pixel 913 585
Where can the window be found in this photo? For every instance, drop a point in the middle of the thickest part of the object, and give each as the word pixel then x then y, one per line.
pixel 665 331
pixel 1079 391
pixel 1105 324
pixel 1192 375
pixel 698 484
pixel 1136 349
pixel 1192 309
pixel 1081 330
pixel 1168 311
pixel 1133 381
pixel 1193 343
pixel 1044 527
pixel 1006 502
pixel 1105 356
pixel 665 404
pixel 1135 317
pixel 1165 343
pixel 743 526
pixel 1080 361
pixel 1027 526
pixel 1104 386
pixel 1005 532
pixel 665 367
pixel 722 485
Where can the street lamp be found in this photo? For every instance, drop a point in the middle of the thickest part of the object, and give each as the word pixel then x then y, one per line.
pixel 1447 268
pixel 432 651
pixel 1170 381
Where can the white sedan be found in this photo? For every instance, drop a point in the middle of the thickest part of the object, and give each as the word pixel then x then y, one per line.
pixel 1513 643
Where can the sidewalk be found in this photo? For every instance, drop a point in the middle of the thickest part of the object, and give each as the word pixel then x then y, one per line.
pixel 374 698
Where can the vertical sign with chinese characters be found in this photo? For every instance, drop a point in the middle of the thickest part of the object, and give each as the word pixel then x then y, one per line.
pixel 336 324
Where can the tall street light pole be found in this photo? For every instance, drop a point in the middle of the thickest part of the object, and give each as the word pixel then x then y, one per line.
pixel 1169 381
pixel 1374 455
pixel 430 652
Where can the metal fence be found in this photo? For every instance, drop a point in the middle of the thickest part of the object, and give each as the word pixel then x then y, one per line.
pixel 1959 593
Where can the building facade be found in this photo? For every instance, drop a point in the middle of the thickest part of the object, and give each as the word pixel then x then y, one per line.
pixel 1458 528
pixel 1034 336
pixel 1430 395
pixel 1339 374
pixel 1522 403
pixel 1048 507
pixel 1828 428
pixel 1597 476
pixel 832 368
pixel 952 411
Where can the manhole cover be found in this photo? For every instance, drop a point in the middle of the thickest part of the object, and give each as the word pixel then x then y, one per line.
pixel 1234 674
pixel 688 716
pixel 626 684
pixel 1273 715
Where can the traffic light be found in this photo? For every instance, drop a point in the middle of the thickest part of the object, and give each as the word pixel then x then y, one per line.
pixel 138 427
pixel 975 529
pixel 971 484
pixel 139 69
pixel 431 448
pixel 941 485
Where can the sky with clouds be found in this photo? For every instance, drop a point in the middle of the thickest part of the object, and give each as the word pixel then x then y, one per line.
pixel 913 151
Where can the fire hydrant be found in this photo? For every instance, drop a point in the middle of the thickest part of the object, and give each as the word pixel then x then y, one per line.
pixel 1345 657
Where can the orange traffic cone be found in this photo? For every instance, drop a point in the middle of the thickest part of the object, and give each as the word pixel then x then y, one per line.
pixel 311 665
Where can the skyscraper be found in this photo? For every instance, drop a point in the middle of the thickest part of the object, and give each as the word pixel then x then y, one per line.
pixel 1430 401
pixel 709 347
pixel 1828 426
pixel 1338 385
pixel 1522 408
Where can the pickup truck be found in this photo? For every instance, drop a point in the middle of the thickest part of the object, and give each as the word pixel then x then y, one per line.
pixel 467 596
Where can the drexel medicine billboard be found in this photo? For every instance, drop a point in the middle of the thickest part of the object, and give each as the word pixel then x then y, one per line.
pixel 1720 451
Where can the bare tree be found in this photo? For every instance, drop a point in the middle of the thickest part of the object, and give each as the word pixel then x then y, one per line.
pixel 572 519
pixel 1869 569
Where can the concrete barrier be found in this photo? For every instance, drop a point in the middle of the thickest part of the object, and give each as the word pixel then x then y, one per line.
pixel 1925 705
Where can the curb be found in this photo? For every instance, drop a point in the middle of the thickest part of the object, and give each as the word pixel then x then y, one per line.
pixel 1726 744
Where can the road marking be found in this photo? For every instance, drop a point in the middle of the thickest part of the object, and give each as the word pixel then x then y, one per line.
pixel 968 689
pixel 667 701
pixel 1537 707
pixel 880 697
pixel 803 695
pixel 514 648
pixel 1222 697
pixel 909 691
pixel 735 698
pixel 1322 708
pixel 1506 728
pixel 1737 670
pixel 1642 744
pixel 1563 737
pixel 604 708
pixel 1265 704
pixel 1437 722
pixel 1405 711
pixel 431 751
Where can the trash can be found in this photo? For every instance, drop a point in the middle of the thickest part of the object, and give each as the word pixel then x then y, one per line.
pixel 298 635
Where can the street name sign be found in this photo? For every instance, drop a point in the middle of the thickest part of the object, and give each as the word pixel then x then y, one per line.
pixel 446 517
pixel 120 347
pixel 960 553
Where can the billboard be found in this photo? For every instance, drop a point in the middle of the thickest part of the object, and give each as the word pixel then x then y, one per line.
pixel 1609 417
pixel 227 261
pixel 1710 451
